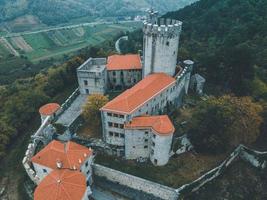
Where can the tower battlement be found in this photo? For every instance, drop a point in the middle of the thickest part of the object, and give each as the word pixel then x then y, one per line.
pixel 165 28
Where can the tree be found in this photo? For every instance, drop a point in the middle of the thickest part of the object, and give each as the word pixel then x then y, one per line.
pixel 6 133
pixel 91 113
pixel 220 124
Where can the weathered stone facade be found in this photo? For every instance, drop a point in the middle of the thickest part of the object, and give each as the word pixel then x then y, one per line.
pixel 120 79
pixel 160 45
pixel 92 76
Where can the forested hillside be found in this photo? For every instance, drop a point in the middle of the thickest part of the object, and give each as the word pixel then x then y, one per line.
pixel 53 12
pixel 228 39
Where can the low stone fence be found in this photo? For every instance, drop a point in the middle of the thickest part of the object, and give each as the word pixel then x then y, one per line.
pixel 138 184
pixel 68 102
pixel 256 158
pixel 27 163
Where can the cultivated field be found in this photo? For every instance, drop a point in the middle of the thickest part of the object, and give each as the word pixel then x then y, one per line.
pixel 53 44
pixel 25 54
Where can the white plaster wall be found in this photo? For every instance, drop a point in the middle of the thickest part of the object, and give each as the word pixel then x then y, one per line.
pixel 135 143
pixel 106 129
pixel 166 56
pixel 163 50
pixel 161 149
pixel 136 183
pixel 95 85
pixel 39 170
pixel 147 55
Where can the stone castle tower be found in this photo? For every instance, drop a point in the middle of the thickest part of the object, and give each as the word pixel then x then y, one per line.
pixel 161 42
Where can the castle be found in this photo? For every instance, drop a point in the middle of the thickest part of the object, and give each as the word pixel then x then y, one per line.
pixel 133 123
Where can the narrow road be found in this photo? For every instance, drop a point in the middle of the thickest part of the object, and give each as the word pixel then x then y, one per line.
pixel 117 44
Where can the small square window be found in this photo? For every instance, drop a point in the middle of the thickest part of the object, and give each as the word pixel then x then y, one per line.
pixel 109 124
pixel 111 134
pixel 116 134
pixel 116 125
pixel 121 126
pixel 109 114
pixel 146 147
pixel 44 170
pixel 122 135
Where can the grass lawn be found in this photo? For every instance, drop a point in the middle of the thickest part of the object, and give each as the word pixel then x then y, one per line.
pixel 179 171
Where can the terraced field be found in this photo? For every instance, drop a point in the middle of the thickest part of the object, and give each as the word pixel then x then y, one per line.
pixel 53 44
pixel 23 55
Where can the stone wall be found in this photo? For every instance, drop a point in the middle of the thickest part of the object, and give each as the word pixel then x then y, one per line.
pixel 255 158
pixel 135 183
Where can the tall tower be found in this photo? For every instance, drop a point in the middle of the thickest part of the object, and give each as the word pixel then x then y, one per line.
pixel 161 42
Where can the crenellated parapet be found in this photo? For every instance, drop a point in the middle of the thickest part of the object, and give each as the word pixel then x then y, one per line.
pixel 169 28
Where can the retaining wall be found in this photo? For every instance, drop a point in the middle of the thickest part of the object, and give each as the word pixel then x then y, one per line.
pixel 135 183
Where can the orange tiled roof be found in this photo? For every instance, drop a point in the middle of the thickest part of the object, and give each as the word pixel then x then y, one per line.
pixel 133 98
pixel 70 154
pixel 160 124
pixel 124 62
pixel 49 109
pixel 61 185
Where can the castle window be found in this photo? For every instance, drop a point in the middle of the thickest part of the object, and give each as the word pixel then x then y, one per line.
pixel 153 144
pixel 134 147
pixel 110 114
pixel 44 170
pixel 168 43
pixel 146 132
pixel 116 134
pixel 114 73
pixel 116 125
pixel 121 126
pixel 174 53
pixel 85 82
pixel 121 135
pixel 122 116
pixel 87 91
pixel 146 140
pixel 86 164
pixel 146 147
pixel 115 115
pixel 109 124
pixel 111 134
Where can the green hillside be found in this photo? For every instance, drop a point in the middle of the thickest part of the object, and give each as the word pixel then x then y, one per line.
pixel 52 12
pixel 228 40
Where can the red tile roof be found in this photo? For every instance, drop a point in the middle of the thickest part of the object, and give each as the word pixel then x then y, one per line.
pixel 139 94
pixel 70 155
pixel 160 124
pixel 124 62
pixel 49 109
pixel 61 185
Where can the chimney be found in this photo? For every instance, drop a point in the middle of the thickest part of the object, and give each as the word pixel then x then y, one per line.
pixel 59 164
